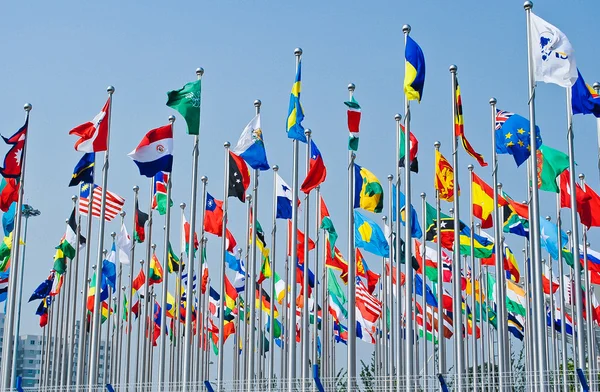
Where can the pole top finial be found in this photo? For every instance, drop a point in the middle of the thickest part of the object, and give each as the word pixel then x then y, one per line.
pixel 478 225
pixel 548 218
pixel 451 211
pixel 249 197
pixel 122 213
pixel 406 29
pixel 136 188
pixel 66 221
pixel 113 234
pixel 398 117
pixel 307 132
pixel 204 179
pixel 384 218
pixel 275 168
pixel 499 185
pixel 94 267
pixel 437 144
pixel 351 87
pixel 298 52
pixel 123 288
pixel 493 101
pixel 27 107
pixel 596 85
pixel 528 5
pixel 110 89
pixel 587 244
pixel 257 103
pixel 568 232
pixel 172 119
pixel 390 177
pixel 153 246
pixel 226 144
pixel 423 195
pixel 74 198
pixel 470 167
pixel 453 68
pixel 182 206
pixel 581 176
pixel 200 71
pixel 142 261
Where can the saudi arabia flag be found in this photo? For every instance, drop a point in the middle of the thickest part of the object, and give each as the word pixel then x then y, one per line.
pixel 186 101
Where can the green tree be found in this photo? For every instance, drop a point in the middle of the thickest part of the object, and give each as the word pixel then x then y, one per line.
pixel 367 374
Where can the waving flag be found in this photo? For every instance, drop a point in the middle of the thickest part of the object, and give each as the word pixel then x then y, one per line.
pixel 213 217
pixel 284 198
pixel 114 202
pixel 159 201
pixel 317 171
pixel 459 130
pixel 125 244
pixel 414 150
pixel 109 268
pixel 187 101
pixel 239 177
pixel 155 152
pixel 294 127
pixel 414 70
pixel 44 289
pixel 369 236
pixel 93 135
pixel 512 136
pixel 84 170
pixel 14 157
pixel 251 146
pixel 444 177
pixel 368 192
pixel 584 99
pixel 354 114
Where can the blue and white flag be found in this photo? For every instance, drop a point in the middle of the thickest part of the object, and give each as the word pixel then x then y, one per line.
pixel 284 199
pixel 155 152
pixel 251 147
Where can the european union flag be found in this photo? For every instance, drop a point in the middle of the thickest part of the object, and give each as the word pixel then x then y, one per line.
pixel 584 99
pixel 84 170
pixel 513 136
pixel 414 70
pixel 294 128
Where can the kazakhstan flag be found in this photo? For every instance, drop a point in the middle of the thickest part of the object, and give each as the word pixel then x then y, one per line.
pixel 414 70
pixel 369 236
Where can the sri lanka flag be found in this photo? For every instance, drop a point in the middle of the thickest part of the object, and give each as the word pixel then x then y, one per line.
pixel 414 70
pixel 154 153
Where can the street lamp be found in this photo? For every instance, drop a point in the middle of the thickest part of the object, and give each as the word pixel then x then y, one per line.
pixel 26 211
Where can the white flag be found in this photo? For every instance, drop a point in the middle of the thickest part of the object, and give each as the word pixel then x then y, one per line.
pixel 124 243
pixel 552 54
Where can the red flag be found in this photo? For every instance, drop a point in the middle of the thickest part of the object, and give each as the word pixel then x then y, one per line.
pixel 231 243
pixel 362 270
pixel 14 156
pixel 581 197
pixel 93 135
pixel 300 245
pixel 317 171
pixel 9 193
pixel 589 212
pixel 324 211
pixel 213 216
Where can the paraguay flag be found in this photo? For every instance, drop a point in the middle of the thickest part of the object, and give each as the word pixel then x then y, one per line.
pixel 155 152
pixel 251 147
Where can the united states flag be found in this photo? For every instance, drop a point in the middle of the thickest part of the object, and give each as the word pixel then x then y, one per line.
pixel 368 305
pixel 114 202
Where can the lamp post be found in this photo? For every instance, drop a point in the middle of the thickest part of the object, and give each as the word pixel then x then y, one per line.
pixel 26 212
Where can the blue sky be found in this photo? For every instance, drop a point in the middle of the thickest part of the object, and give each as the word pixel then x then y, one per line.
pixel 61 56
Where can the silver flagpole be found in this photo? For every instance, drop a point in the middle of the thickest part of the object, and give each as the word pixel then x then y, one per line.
pixel 129 302
pixel 138 356
pixel 561 273
pixel 389 292
pixel 188 346
pixel 96 317
pixel 116 355
pixel 588 303
pixel 424 288
pixel 440 286
pixel 162 383
pixel 148 304
pixel 315 359
pixel 400 338
pixel 27 212
pixel 271 373
pixel 9 324
pixel 67 324
pixel 440 276
pixel 58 340
pixel 247 290
pixel 294 256
pixel 305 311
pixel 203 240
pixel 456 262
pixel 384 359
pixel 473 284
pixel 409 351
pixel 535 215
pixel 105 378
pixel 178 333
pixel 252 271
pixel 351 384
pixel 75 291
pixel 500 276
pixel 222 266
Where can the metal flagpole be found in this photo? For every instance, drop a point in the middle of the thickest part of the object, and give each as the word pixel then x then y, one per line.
pixel 389 292
pixel 351 384
pixel 94 349
pixel 116 356
pixel 473 283
pixel 252 274
pixel 561 288
pixel 500 288
pixel 305 340
pixel 67 318
pixel 286 315
pixel 400 338
pixel 456 262
pixel 535 221
pixel 588 304
pixel 317 365
pixel 9 323
pixel 294 256
pixel 222 266
pixel 138 359
pixel 203 240
pixel 58 339
pixel 440 276
pixel 51 340
pixel 272 307
pixel 162 383
pixel 27 212
pixel 178 332
pixel 384 359
pixel 424 290
pixel 248 299
pixel 105 378
pixel 188 346
pixel 129 302
pixel 407 240
pixel 148 304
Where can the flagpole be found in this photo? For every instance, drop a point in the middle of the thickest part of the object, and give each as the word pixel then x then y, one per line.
pixel 116 357
pixel 222 265
pixel 272 307
pixel 351 384
pixel 440 284
pixel 305 289
pixel 389 292
pixel 424 288
pixel 201 260
pixel 75 284
pixel 129 303
pixel 9 324
pixel 554 368
pixel 317 365
pixel 473 281
pixel 456 267
pixel 561 288
pixel 188 347
pixel 148 304
pixel 247 291
pixel 385 357
pixel 57 339
pixel 105 378
pixel 588 302
pixel 294 256
pixel 67 323
pixel 400 338
pixel 94 349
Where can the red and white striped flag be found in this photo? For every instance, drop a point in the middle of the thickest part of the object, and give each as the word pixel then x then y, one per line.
pixel 114 202
pixel 368 305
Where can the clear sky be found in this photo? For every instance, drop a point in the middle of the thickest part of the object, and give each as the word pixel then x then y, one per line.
pixel 61 56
